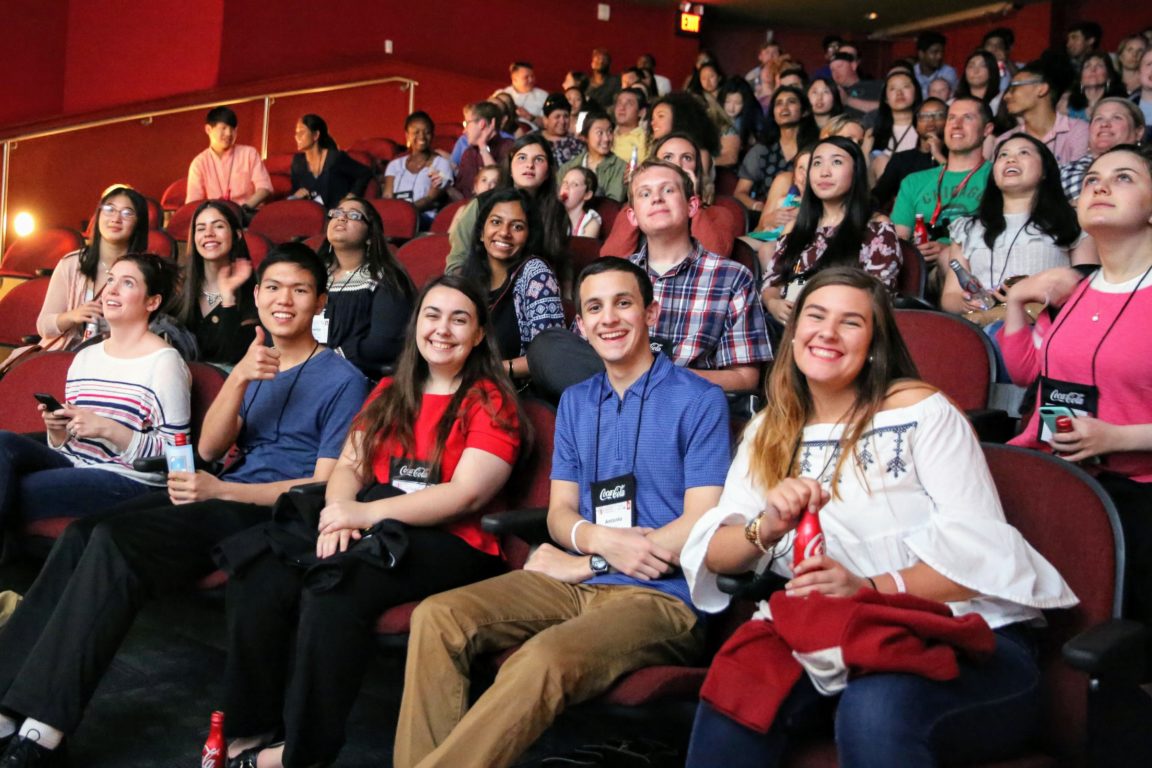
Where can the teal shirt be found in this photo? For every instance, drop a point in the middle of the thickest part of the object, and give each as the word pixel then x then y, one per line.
pixel 918 195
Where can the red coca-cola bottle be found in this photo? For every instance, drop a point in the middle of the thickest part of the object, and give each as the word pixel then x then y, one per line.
pixel 920 233
pixel 809 538
pixel 215 752
pixel 1063 424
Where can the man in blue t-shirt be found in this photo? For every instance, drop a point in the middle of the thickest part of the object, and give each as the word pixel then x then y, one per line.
pixel 286 408
pixel 641 451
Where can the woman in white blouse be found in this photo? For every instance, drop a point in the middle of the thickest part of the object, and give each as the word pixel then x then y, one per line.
pixel 907 505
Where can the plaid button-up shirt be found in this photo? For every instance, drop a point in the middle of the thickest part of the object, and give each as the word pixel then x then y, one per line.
pixel 709 311
pixel 1072 176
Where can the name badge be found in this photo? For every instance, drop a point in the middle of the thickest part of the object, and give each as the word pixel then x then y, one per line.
pixel 320 327
pixel 1081 399
pixel 614 501
pixel 659 344
pixel 409 475
pixel 402 195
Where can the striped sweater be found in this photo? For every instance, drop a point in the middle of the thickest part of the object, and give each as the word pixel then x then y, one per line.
pixel 151 395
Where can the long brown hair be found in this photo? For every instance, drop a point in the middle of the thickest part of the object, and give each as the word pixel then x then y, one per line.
pixel 392 415
pixel 774 445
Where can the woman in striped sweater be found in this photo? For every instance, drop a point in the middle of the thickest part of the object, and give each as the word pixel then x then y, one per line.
pixel 125 398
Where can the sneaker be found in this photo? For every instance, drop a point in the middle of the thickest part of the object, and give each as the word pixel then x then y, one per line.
pixel 23 753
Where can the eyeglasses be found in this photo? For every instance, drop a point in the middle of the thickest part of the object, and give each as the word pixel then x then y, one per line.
pixel 467 123
pixel 124 213
pixel 1030 81
pixel 932 115
pixel 340 213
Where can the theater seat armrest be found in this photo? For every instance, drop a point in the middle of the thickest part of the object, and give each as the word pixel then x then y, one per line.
pixel 992 425
pixel 732 584
pixel 531 525
pixel 912 302
pixel 1115 652
pixel 150 464
pixel 310 489
pixel 749 585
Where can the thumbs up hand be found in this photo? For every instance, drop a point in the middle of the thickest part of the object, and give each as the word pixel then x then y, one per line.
pixel 260 362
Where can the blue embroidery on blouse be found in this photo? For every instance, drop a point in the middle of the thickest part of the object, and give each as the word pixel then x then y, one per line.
pixel 895 466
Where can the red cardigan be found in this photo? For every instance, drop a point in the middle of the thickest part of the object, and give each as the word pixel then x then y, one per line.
pixel 875 633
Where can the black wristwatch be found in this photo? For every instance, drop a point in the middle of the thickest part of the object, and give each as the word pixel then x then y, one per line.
pixel 598 564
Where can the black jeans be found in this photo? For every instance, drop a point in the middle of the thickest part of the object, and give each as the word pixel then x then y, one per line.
pixel 310 685
pixel 60 641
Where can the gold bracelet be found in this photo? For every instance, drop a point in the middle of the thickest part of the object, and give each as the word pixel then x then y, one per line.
pixel 752 534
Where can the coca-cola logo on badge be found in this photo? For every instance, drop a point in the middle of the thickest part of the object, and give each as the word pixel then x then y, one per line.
pixel 1068 398
pixel 611 494
pixel 420 473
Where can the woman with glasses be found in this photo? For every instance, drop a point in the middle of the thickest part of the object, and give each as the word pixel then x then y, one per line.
pixel 72 312
pixel 421 176
pixel 320 170
pixel 369 293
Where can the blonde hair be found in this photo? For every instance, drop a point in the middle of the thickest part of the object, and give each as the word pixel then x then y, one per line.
pixel 776 441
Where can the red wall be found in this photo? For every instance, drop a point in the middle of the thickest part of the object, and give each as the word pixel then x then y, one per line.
pixel 72 61
pixel 120 52
pixel 1031 25
pixel 481 39
pixel 32 59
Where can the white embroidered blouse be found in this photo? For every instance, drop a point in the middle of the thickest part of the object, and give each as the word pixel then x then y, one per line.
pixel 918 491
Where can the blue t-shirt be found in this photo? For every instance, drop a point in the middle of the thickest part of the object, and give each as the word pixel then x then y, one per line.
pixel 683 443
pixel 296 418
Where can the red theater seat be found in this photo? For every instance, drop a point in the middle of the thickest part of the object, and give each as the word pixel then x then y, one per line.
pixel 174 195
pixel 161 243
pixel 39 372
pixel 424 257
pixel 381 149
pixel 400 219
pixel 285 220
pixel 19 309
pixel 258 247
pixel 40 251
pixel 444 217
pixel 608 209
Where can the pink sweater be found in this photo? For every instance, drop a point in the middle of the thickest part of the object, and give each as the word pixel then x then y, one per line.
pixel 1123 365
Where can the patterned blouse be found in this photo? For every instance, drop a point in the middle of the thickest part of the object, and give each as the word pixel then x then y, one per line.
pixel 879 257
pixel 536 297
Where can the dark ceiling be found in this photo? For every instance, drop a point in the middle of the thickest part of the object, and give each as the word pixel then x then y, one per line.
pixel 844 15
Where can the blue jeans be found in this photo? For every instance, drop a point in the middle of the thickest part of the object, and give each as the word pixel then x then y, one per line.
pixel 885 720
pixel 37 483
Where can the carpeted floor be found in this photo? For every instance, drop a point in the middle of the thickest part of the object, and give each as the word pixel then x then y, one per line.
pixel 153 707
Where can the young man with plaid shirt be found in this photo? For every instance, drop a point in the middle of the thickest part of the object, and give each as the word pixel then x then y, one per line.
pixel 710 318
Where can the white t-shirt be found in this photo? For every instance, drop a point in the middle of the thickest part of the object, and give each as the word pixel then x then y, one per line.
pixel 413 186
pixel 533 101
pixel 1015 252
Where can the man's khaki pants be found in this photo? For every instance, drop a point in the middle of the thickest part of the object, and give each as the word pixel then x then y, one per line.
pixel 577 640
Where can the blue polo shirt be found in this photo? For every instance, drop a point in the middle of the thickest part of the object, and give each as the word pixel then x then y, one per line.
pixel 683 443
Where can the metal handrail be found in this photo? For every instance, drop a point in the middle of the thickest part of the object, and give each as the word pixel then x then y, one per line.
pixel 269 99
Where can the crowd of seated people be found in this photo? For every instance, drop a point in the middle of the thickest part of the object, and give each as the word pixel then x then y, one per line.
pixel 1013 171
